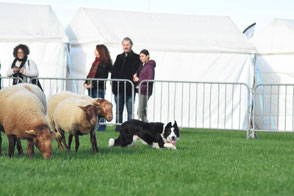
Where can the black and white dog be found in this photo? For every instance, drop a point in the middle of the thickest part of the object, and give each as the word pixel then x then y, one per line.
pixel 157 135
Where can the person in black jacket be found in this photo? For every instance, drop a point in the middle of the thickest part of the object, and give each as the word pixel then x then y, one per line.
pixel 100 69
pixel 125 66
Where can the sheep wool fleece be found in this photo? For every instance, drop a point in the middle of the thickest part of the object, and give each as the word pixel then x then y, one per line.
pixel 70 117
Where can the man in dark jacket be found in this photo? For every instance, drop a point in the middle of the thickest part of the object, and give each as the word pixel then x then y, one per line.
pixel 125 66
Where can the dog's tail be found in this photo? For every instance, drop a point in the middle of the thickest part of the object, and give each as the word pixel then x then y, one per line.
pixel 111 142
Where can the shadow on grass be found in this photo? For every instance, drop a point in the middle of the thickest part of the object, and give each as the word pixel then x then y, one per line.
pixel 86 153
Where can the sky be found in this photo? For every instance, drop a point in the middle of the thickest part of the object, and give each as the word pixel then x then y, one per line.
pixel 243 13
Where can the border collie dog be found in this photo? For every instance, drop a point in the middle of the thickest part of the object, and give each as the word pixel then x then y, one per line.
pixel 156 135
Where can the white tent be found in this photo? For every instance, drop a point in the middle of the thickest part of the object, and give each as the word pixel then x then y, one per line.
pixel 274 65
pixel 275 49
pixel 185 47
pixel 38 27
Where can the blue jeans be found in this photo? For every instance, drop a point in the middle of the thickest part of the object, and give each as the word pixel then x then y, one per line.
pixel 120 101
pixel 98 93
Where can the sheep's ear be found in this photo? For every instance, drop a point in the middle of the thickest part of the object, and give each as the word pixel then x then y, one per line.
pixel 98 101
pixel 31 132
pixel 85 108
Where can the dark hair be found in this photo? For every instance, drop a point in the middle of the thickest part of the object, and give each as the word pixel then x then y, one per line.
pixel 24 48
pixel 144 51
pixel 128 39
pixel 104 54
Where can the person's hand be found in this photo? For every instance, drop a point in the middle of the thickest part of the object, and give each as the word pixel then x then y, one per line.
pixel 135 78
pixel 21 70
pixel 15 69
pixel 87 85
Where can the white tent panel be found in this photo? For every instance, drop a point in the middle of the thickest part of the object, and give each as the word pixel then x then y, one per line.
pixel 37 27
pixel 29 22
pixel 276 37
pixel 276 68
pixel 158 31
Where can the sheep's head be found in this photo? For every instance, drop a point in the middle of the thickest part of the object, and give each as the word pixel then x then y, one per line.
pixel 106 108
pixel 42 138
pixel 91 114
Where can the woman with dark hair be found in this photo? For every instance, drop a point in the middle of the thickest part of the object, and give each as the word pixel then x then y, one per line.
pixel 22 68
pixel 145 72
pixel 100 69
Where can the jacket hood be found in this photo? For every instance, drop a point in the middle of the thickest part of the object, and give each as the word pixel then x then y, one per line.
pixel 152 62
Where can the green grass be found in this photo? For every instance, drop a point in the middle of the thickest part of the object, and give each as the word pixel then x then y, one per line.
pixel 206 163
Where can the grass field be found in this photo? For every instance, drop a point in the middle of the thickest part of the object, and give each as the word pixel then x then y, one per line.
pixel 206 163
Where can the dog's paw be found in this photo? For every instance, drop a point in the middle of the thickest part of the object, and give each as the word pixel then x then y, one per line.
pixel 170 146
pixel 155 145
pixel 173 147
pixel 111 142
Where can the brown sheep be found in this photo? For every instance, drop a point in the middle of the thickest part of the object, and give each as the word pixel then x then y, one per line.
pixel 23 116
pixel 32 88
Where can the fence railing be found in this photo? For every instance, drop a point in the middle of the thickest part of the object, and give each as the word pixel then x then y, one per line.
pixel 7 81
pixel 274 108
pixel 208 105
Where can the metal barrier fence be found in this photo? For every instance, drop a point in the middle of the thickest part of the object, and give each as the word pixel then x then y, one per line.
pixel 273 108
pixel 7 81
pixel 208 105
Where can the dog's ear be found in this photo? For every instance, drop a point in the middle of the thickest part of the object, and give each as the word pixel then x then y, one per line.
pixel 168 124
pixel 175 124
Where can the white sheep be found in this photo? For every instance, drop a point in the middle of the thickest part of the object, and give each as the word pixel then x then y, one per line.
pixel 105 109
pixel 76 117
pixel 32 88
pixel 23 116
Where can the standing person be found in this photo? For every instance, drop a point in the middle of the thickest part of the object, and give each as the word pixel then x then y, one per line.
pixel 146 72
pixel 125 66
pixel 22 68
pixel 100 69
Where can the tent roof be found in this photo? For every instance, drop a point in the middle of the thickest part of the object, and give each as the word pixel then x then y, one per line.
pixel 276 37
pixel 27 22
pixel 158 31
